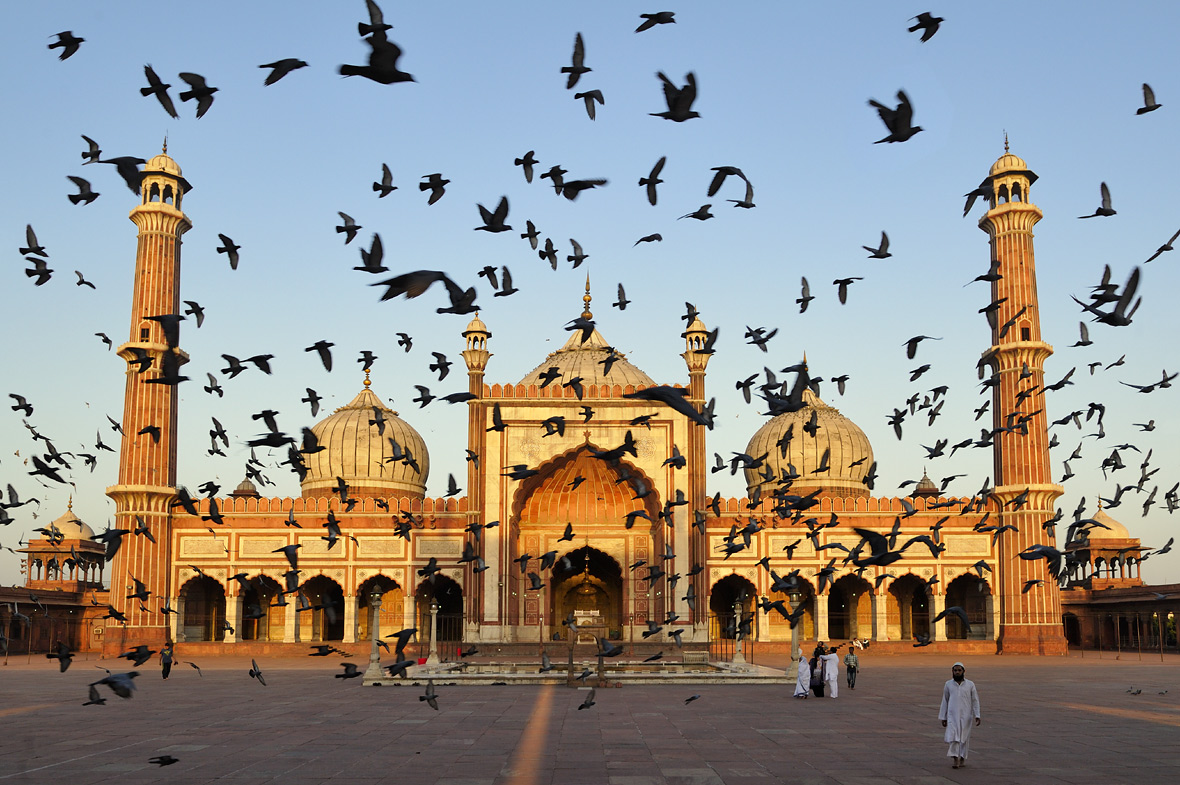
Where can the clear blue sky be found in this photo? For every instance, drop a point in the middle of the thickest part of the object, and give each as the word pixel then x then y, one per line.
pixel 782 94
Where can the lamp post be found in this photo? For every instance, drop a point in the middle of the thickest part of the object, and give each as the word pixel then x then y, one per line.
pixel 738 656
pixel 373 672
pixel 793 672
pixel 432 655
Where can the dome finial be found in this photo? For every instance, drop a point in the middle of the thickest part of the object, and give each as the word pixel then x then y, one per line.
pixel 367 382
pixel 1005 142
pixel 70 504
pixel 586 314
pixel 805 359
pixel 165 144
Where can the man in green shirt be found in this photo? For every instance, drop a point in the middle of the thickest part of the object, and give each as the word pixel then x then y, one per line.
pixel 851 665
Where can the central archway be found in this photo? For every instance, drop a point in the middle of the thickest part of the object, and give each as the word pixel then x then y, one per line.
pixel 850 611
pixel 590 588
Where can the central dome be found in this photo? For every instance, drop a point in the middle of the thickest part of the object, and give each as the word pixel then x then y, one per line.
pixel 357 451
pixel 846 442
pixel 585 360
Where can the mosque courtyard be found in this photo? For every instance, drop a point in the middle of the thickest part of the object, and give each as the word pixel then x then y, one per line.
pixel 1045 721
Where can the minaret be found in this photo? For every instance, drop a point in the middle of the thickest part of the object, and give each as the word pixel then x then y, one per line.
pixel 147 465
pixel 1030 623
pixel 476 356
pixel 696 337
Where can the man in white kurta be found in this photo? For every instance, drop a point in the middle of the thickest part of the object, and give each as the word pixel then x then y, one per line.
pixel 803 682
pixel 959 711
pixel 830 664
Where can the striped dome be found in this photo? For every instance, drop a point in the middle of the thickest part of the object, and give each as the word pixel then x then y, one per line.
pixel 357 452
pixel 584 360
pixel 847 444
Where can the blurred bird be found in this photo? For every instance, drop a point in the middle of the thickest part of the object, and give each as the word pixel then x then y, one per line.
pixel 198 90
pixel 68 43
pixel 280 68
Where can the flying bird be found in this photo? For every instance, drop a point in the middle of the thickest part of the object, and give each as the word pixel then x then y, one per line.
pixel 228 248
pixel 386 186
pixel 198 90
pixel 382 67
pixel 436 184
pixel 898 121
pixel 68 43
pixel 85 195
pixel 658 18
pixel 679 99
pixel 1104 210
pixel 159 89
pixel 927 24
pixel 590 97
pixel 527 162
pixel 1149 104
pixel 577 65
pixel 653 179
pixel 280 68
pixel 882 251
pixel 493 221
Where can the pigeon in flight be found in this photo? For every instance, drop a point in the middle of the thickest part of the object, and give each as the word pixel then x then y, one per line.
pixel 653 179
pixel 577 65
pixel 927 24
pixel 281 68
pixel 679 99
pixel 85 195
pixel 1149 104
pixel 382 67
pixel 658 18
pixel 1104 210
pixel 898 121
pixel 68 43
pixel 881 252
pixel 198 90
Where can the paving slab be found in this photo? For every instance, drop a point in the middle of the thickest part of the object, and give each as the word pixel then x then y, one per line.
pixel 1069 721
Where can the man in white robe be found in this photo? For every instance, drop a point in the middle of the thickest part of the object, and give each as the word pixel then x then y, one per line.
pixel 960 705
pixel 803 682
pixel 830 663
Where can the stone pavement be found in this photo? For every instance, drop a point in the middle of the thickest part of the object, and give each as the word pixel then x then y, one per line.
pixel 1044 722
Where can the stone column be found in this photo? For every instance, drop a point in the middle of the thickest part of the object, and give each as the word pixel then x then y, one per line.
pixel 821 617
pixel 177 620
pixel 880 616
pixel 408 606
pixel 993 617
pixel 937 603
pixel 291 624
pixel 350 619
pixel 180 636
pixel 233 614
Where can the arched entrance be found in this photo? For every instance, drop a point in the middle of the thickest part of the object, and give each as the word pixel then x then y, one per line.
pixel 970 593
pixel 850 609
pixel 391 614
pixel 327 608
pixel 725 597
pixel 591 589
pixel 259 621
pixel 204 610
pixel 908 607
pixel 449 596
pixel 806 625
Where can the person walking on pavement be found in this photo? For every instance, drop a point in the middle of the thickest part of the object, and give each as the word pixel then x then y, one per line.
pixel 960 705
pixel 851 666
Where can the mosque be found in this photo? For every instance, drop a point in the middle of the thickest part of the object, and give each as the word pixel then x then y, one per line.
pixel 603 497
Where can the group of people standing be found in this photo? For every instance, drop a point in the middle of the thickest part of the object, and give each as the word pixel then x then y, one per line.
pixel 959 711
pixel 821 675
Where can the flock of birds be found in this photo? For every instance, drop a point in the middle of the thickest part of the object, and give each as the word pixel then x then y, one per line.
pixel 1107 304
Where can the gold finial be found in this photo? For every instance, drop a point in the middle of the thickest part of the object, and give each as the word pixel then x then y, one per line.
pixel 165 144
pixel 367 382
pixel 586 314
pixel 70 504
pixel 805 359
pixel 1005 142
